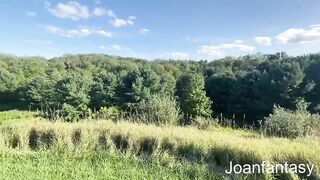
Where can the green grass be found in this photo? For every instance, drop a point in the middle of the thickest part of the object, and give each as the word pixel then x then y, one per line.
pixel 211 148
pixel 91 165
pixel 14 115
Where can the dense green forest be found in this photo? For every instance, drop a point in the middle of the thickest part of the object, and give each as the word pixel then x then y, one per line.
pixel 244 88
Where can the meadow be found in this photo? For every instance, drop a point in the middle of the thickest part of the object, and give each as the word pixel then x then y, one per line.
pixel 103 149
pixel 54 164
pixel 14 115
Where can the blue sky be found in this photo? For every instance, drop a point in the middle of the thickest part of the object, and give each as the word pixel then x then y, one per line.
pixel 177 29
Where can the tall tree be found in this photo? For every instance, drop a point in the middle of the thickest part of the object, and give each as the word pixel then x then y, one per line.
pixel 103 90
pixel 192 96
pixel 73 95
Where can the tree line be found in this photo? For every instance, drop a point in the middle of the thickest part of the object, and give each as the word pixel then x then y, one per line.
pixel 245 88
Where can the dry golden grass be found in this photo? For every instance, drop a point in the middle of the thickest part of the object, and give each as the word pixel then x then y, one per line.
pixel 215 147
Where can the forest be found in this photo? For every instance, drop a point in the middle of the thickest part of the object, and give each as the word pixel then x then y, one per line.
pixel 244 88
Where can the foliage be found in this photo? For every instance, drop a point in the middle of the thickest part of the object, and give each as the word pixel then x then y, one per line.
pixel 41 92
pixel 138 85
pixel 292 124
pixel 192 97
pixel 110 113
pixel 158 109
pixel 73 93
pixel 246 86
pixel 103 90
pixel 70 113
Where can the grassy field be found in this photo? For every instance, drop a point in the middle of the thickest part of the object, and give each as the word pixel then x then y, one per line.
pixel 15 115
pixel 91 165
pixel 144 151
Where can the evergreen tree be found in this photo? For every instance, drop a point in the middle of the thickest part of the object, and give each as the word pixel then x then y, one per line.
pixel 192 96
pixel 73 95
pixel 103 90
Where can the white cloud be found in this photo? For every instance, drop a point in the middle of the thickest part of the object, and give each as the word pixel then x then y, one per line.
pixel 103 12
pixel 175 55
pixel 82 32
pixel 99 12
pixel 69 10
pixel 263 41
pixel 104 33
pixel 78 32
pixel 218 50
pixel 31 14
pixel 114 47
pixel 75 11
pixel 293 35
pixel 144 31
pixel 110 13
pixel 117 22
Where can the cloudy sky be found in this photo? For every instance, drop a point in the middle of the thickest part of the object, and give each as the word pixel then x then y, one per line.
pixel 177 29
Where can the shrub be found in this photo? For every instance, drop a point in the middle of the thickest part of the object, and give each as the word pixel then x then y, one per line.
pixel 286 123
pixel 110 113
pixel 70 113
pixel 158 109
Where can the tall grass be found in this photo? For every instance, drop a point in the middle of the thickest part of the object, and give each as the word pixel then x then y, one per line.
pixel 54 164
pixel 215 148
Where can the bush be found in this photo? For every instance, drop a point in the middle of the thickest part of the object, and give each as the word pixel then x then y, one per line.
pixel 158 109
pixel 70 113
pixel 292 124
pixel 110 113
